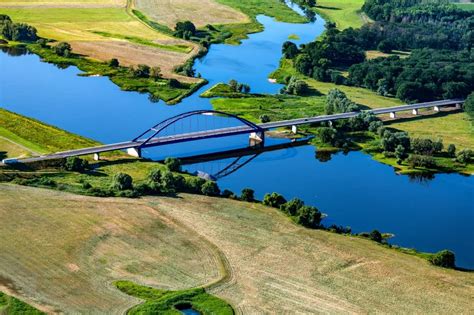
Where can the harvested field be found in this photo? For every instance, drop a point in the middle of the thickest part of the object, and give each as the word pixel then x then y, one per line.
pixel 73 247
pixel 200 12
pixel 105 32
pixel 63 251
pixel 63 3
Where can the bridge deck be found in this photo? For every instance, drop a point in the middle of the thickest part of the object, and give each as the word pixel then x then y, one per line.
pixel 229 131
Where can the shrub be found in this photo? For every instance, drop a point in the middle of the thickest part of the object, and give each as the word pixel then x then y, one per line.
pixel 122 181
pixel 274 200
pixel 327 135
pixel 264 118
pixel 376 236
pixel 210 188
pixel 451 150
pixel 168 182
pixel 247 195
pixel 63 49
pixel 421 161
pixel 141 71
pixel 75 164
pixel 464 156
pixel 292 207
pixel 469 105
pixel 173 164
pixel 309 217
pixel 114 63
pixel 227 194
pixel 444 258
pixel 194 184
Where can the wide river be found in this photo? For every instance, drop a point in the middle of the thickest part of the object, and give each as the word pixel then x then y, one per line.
pixel 353 190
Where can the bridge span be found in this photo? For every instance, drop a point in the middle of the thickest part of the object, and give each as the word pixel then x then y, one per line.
pixel 151 137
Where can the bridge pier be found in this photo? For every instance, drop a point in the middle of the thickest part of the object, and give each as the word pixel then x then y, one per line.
pixel 393 115
pixel 436 108
pixel 256 139
pixel 414 111
pixel 135 151
pixel 294 129
pixel 96 157
pixel 458 105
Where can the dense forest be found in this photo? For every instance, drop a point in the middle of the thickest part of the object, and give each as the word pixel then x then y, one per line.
pixel 438 35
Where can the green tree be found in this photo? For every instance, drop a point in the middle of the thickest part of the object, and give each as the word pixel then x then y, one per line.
pixel 234 85
pixel 444 258
pixel 154 179
pixel 290 50
pixel 141 71
pixel 400 154
pixel 122 181
pixel 76 164
pixel 264 118
pixel 185 29
pixel 451 150
pixel 63 49
pixel 173 164
pixel 168 182
pixel 247 195
pixel 464 156
pixel 469 106
pixel 292 207
pixel 210 188
pixel 155 73
pixel 327 135
pixel 114 63
pixel 309 217
pixel 274 200
pixel 376 236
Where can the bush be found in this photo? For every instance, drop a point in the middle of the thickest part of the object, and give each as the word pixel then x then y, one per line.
pixel 292 207
pixel 376 236
pixel 194 184
pixel 168 182
pixel 274 200
pixel 451 150
pixel 309 217
pixel 421 161
pixel 76 164
pixel 63 49
pixel 210 188
pixel 327 135
pixel 264 118
pixel 122 181
pixel 141 71
pixel 173 164
pixel 227 194
pixel 464 156
pixel 114 63
pixel 469 105
pixel 444 258
pixel 247 195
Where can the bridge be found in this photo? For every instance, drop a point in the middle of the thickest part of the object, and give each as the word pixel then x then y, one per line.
pixel 157 136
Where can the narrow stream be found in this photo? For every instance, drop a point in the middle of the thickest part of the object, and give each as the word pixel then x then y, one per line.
pixel 429 214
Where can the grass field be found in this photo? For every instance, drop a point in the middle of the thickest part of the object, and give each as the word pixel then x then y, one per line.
pixel 88 28
pixel 345 13
pixel 37 136
pixel 75 247
pixel 72 249
pixel 466 6
pixel 200 12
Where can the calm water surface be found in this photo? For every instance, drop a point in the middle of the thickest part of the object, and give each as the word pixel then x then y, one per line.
pixel 352 189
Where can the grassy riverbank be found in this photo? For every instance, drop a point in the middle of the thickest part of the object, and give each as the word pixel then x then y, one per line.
pixel 37 136
pixel 190 241
pixel 344 13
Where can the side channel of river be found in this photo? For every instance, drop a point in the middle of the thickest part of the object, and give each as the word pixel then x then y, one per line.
pixel 353 190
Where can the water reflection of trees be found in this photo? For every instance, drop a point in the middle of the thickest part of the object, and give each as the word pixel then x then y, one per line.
pixel 15 51
pixel 323 156
pixel 421 178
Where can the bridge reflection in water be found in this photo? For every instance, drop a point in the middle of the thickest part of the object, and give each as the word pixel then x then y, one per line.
pixel 217 165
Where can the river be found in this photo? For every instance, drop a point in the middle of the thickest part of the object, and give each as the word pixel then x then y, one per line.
pixel 353 190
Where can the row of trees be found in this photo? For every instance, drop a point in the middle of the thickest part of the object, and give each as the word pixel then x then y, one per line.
pixel 425 75
pixel 16 31
pixel 237 87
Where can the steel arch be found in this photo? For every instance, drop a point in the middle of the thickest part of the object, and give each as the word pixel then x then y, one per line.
pixel 156 129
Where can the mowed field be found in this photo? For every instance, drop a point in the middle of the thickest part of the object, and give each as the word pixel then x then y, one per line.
pixel 102 30
pixel 62 252
pixel 72 247
pixel 345 13
pixel 200 12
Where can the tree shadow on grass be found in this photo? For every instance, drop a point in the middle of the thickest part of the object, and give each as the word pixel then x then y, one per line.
pixel 328 7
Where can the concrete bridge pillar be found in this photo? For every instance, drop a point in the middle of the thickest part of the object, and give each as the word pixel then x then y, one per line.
pixel 135 151
pixel 458 105
pixel 414 111
pixel 393 115
pixel 256 138
pixel 96 157
pixel 436 108
pixel 330 123
pixel 294 129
